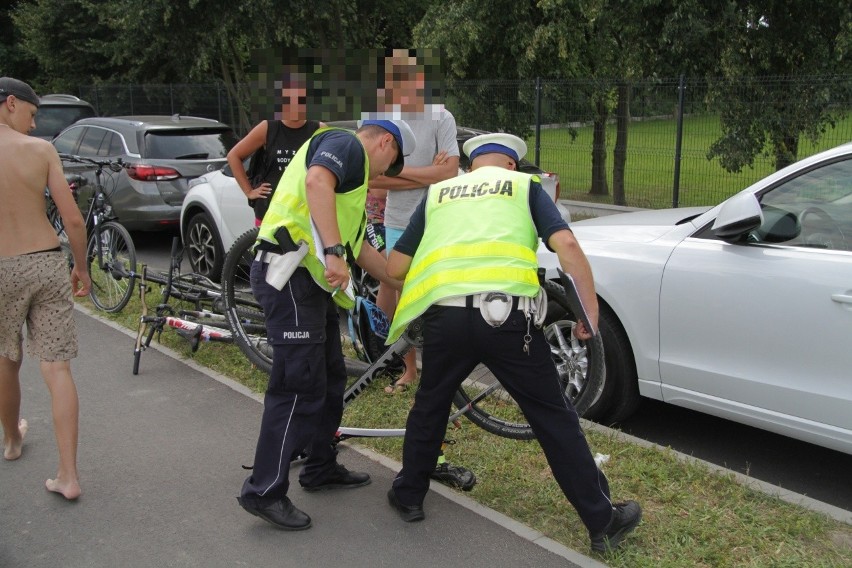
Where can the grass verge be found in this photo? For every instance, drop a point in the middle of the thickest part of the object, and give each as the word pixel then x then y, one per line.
pixel 692 516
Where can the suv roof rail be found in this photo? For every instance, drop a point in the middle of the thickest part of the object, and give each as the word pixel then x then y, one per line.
pixel 61 96
pixel 178 116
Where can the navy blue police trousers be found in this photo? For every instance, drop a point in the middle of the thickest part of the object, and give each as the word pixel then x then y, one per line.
pixel 456 339
pixel 303 403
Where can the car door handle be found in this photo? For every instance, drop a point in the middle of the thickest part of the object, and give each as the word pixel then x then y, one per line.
pixel 842 298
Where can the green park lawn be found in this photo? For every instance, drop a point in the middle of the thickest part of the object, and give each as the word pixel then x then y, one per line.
pixel 650 161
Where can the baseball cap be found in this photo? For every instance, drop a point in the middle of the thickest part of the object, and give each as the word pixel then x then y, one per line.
pixel 10 86
pixel 404 137
pixel 497 142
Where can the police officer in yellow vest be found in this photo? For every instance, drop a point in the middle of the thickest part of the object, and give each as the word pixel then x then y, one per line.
pixel 469 263
pixel 320 199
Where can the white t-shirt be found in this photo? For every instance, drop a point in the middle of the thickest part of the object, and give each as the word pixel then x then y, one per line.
pixel 434 133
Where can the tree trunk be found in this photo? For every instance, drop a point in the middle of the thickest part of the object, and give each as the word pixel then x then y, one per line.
pixel 599 184
pixel 622 121
pixel 786 150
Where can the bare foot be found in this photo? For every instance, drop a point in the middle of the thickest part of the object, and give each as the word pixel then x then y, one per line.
pixel 12 451
pixel 70 490
pixel 399 385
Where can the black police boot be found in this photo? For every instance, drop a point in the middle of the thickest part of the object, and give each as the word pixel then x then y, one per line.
pixel 454 476
pixel 625 517
pixel 282 513
pixel 340 478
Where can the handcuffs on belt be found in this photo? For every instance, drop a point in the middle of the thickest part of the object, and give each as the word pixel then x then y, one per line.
pixel 495 308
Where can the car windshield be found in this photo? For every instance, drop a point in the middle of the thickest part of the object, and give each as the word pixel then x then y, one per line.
pixel 51 120
pixel 189 145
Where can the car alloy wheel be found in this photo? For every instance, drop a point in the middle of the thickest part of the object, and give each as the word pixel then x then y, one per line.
pixel 203 246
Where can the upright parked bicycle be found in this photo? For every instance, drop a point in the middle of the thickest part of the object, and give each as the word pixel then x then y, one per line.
pixel 110 255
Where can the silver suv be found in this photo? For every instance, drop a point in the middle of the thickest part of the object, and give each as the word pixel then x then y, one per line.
pixel 162 154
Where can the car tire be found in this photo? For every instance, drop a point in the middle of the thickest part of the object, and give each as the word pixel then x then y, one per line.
pixel 587 406
pixel 622 385
pixel 204 247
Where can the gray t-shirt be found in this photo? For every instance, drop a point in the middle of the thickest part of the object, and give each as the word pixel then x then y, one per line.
pixel 434 133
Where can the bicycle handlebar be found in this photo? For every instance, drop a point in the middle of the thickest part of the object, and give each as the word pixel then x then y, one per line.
pixel 113 165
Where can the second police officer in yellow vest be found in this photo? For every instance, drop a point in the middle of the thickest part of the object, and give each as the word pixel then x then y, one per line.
pixel 468 258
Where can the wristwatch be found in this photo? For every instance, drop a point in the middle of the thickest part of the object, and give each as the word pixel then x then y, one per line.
pixel 336 250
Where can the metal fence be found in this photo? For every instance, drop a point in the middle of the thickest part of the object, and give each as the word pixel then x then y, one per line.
pixel 671 127
pixel 667 131
pixel 209 100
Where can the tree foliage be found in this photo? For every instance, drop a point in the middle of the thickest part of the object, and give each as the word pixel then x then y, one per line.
pixel 484 46
pixel 766 41
pixel 78 42
pixel 498 46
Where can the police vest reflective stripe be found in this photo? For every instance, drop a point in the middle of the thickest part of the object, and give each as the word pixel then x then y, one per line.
pixel 289 208
pixel 479 237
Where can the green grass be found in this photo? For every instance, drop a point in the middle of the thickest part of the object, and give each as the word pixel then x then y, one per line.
pixel 650 161
pixel 692 516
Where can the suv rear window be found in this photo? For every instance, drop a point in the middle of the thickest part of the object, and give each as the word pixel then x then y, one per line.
pixel 188 144
pixel 51 120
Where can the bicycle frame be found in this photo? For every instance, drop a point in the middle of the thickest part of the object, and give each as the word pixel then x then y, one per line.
pixel 192 331
pixel 99 210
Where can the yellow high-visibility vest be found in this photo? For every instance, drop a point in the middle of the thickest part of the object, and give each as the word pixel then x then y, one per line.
pixel 289 208
pixel 479 237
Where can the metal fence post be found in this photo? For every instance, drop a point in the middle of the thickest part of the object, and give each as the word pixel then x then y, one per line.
pixel 171 98
pixel 537 120
pixel 218 101
pixel 130 88
pixel 678 141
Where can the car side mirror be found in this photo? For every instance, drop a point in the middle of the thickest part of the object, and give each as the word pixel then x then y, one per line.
pixel 739 215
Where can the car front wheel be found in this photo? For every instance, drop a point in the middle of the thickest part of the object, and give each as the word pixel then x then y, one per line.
pixel 204 247
pixel 622 386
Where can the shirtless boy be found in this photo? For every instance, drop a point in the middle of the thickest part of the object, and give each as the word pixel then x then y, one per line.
pixel 34 285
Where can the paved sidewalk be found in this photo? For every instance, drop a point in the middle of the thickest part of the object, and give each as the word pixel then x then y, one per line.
pixel 160 457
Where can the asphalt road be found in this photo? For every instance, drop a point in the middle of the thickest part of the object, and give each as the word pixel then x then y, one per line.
pixel 160 461
pixel 811 470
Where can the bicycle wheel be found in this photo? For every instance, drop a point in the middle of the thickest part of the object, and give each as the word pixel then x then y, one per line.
pixel 580 365
pixel 244 314
pixel 113 272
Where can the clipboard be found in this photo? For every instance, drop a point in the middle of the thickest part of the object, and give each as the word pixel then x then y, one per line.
pixel 574 301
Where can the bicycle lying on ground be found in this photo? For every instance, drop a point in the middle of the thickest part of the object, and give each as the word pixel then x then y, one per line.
pixel 110 254
pixel 205 322
pixel 481 398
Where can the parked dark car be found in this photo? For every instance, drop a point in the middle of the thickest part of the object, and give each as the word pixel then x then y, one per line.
pixel 57 112
pixel 162 154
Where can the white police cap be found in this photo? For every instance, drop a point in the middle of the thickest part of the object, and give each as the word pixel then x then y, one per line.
pixel 497 142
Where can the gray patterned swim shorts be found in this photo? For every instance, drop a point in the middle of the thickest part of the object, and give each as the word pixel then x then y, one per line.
pixel 36 289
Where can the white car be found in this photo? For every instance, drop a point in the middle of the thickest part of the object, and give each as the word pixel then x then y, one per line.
pixel 743 310
pixel 215 211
